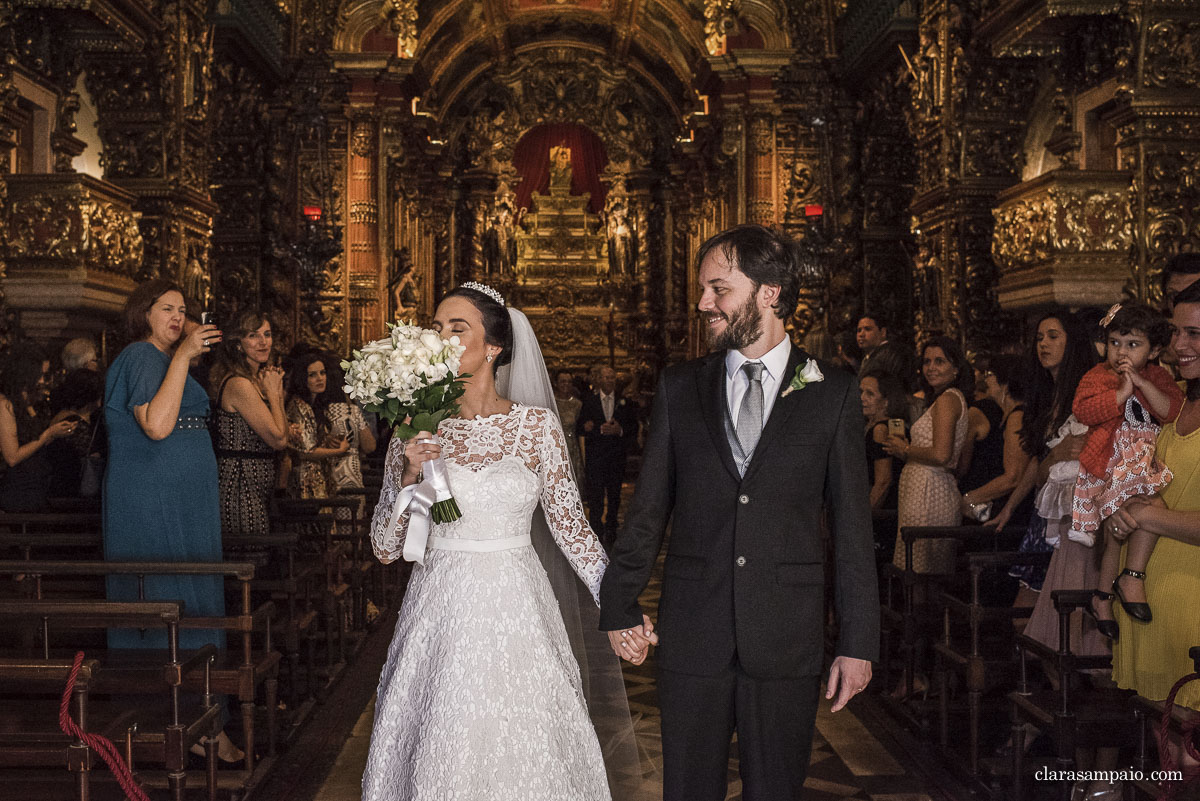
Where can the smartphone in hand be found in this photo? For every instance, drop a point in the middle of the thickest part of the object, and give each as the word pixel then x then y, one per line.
pixel 896 427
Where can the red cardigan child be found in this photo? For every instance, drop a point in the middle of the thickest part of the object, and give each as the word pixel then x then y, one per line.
pixel 1117 462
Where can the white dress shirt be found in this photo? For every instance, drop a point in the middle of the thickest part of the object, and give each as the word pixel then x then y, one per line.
pixel 608 405
pixel 737 382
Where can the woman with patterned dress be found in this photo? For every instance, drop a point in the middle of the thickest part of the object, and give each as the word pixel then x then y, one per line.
pixel 481 697
pixel 928 491
pixel 346 420
pixel 250 424
pixel 313 444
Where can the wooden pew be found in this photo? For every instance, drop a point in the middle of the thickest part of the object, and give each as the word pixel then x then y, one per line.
pixel 159 730
pixel 978 645
pixel 294 587
pixel 1075 715
pixel 913 620
pixel 349 528
pixel 239 671
pixel 320 545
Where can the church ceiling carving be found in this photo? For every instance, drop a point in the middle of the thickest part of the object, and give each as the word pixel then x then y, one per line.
pixel 455 43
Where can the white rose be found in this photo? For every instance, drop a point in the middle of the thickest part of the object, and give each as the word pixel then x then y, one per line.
pixel 431 340
pixel 811 373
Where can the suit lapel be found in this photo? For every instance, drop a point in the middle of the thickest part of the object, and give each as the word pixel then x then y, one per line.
pixel 710 386
pixel 780 412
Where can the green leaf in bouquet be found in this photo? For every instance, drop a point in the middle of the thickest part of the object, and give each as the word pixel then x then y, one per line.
pixel 404 431
pixel 424 421
pixel 393 407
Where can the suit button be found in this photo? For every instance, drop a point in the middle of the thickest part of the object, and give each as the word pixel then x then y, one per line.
pixel 743 499
pixel 741 561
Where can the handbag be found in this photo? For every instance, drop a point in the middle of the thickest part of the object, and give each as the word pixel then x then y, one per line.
pixel 91 476
pixel 341 469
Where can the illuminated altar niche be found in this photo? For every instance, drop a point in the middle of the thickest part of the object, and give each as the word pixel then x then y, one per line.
pixel 560 232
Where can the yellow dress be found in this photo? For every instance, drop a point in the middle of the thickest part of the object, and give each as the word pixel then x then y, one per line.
pixel 1151 657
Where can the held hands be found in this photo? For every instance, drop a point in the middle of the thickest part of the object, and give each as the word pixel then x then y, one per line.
pixel 609 427
pixel 634 644
pixel 847 678
pixel 58 430
pixel 338 445
pixel 198 341
pixel 272 383
pixel 417 451
pixel 896 445
pixel 1001 520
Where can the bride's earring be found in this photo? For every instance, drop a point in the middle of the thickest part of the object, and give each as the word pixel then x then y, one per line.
pixel 489 358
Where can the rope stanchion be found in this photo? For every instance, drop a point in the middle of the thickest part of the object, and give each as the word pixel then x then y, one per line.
pixel 1172 789
pixel 100 744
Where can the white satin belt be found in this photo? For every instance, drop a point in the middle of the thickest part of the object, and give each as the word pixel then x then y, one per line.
pixel 479 546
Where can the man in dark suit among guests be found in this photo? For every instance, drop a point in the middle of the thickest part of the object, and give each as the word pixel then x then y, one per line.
pixel 608 423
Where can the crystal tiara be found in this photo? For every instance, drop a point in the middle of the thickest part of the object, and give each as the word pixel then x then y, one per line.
pixel 485 289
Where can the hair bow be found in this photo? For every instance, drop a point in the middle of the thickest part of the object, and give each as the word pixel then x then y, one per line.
pixel 1108 318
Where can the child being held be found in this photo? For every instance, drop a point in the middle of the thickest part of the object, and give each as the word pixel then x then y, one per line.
pixel 1120 401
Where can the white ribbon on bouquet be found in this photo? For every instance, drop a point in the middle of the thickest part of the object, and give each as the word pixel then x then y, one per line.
pixel 418 499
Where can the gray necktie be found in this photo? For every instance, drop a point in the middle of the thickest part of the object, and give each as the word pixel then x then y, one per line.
pixel 750 415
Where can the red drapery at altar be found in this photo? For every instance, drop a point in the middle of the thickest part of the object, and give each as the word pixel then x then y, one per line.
pixel 531 158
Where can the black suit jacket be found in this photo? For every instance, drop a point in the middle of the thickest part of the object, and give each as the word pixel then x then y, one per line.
pixel 744 570
pixel 605 447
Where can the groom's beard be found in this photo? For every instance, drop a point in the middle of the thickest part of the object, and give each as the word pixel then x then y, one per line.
pixel 742 329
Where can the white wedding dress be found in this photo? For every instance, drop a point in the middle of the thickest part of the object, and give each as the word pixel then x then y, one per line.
pixel 481 698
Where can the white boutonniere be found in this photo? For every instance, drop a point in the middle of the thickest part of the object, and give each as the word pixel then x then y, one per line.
pixel 807 373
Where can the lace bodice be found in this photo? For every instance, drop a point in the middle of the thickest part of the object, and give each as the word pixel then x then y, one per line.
pixel 500 467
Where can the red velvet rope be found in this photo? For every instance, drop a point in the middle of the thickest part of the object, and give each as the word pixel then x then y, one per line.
pixel 1171 789
pixel 101 745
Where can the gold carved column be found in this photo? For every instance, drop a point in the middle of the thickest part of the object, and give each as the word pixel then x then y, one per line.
pixel 363 263
pixel 761 200
pixel 1158 138
pixel 749 101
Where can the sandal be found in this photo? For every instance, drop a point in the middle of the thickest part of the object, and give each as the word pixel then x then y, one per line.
pixel 1136 610
pixel 1106 627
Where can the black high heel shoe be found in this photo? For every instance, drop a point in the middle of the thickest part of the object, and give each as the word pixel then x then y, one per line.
pixel 1137 611
pixel 1106 627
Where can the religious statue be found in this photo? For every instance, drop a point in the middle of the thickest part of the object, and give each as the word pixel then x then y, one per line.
pixel 403 286
pixel 560 170
pixel 500 241
pixel 196 284
pixel 622 250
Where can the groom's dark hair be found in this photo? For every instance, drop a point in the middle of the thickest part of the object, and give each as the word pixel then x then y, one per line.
pixel 762 255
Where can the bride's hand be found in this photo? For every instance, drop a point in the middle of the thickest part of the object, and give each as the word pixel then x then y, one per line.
pixel 417 451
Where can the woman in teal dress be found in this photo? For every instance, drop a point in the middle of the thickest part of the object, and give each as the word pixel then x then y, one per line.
pixel 160 489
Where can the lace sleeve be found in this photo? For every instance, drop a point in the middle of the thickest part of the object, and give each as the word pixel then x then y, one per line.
pixel 564 511
pixel 389 545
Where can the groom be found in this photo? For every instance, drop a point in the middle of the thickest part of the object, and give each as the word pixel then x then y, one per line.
pixel 742 467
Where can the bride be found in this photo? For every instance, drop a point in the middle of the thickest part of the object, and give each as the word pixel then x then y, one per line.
pixel 482 697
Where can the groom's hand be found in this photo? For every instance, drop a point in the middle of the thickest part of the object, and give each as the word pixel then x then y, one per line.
pixel 634 644
pixel 847 678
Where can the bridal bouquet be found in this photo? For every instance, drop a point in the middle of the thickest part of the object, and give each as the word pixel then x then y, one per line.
pixel 411 380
